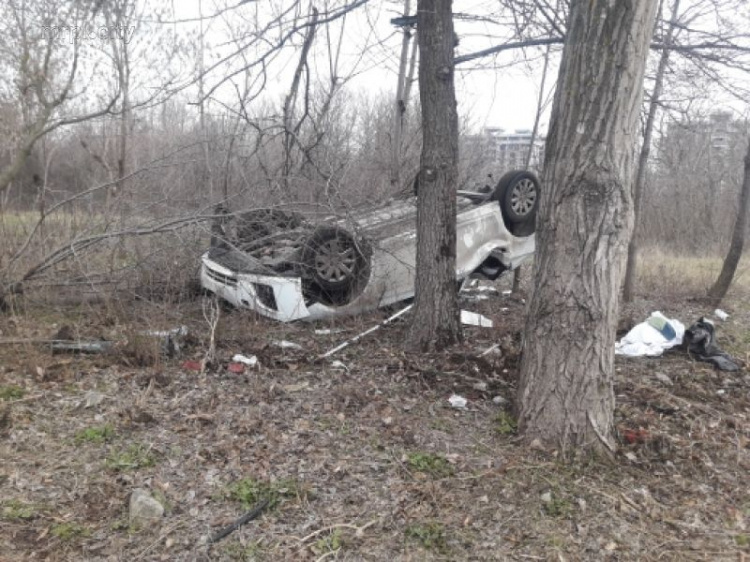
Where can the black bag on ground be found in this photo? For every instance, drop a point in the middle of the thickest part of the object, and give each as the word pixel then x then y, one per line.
pixel 699 342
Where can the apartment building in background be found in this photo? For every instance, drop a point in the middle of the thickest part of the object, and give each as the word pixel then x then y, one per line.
pixel 503 150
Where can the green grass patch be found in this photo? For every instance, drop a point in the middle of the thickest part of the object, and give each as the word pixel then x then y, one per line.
pixel 505 424
pixel 69 531
pixel 430 535
pixel 11 392
pixel 95 434
pixel 135 456
pixel 14 510
pixel 329 544
pixel 557 506
pixel 249 491
pixel 428 463
pixel 236 551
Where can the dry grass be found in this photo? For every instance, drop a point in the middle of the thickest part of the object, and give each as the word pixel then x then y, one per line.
pixel 662 273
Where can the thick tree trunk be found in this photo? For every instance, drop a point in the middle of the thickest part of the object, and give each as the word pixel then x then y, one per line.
pixel 565 395
pixel 648 132
pixel 720 288
pixel 435 322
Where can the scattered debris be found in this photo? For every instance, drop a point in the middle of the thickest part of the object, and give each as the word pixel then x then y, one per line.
pixel 144 509
pixel 473 319
pixel 720 314
pixel 192 365
pixel 339 365
pixel 101 346
pixel 699 339
pixel 652 337
pixel 633 436
pixel 499 400
pixel 492 349
pixel 366 332
pixel 283 344
pixel 328 331
pixel 251 361
pixel 458 402
pixel 236 368
pixel 477 292
pixel 172 340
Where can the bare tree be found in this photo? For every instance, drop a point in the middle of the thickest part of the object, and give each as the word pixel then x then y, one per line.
pixel 32 47
pixel 643 158
pixel 403 87
pixel 565 395
pixel 719 289
pixel 436 315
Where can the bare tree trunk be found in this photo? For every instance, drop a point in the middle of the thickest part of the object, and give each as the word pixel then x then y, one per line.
pixel 565 395
pixel 400 106
pixel 291 99
pixel 435 323
pixel 721 286
pixel 648 130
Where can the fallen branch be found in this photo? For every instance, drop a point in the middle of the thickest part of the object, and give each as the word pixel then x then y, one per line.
pixel 254 513
pixel 358 531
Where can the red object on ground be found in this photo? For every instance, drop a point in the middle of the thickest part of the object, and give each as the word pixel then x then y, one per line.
pixel 237 368
pixel 192 365
pixel 632 436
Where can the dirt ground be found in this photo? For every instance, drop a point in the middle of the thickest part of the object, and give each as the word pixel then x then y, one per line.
pixel 364 459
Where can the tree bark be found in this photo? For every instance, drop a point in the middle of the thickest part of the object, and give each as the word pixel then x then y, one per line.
pixel 435 323
pixel 719 290
pixel 648 132
pixel 565 395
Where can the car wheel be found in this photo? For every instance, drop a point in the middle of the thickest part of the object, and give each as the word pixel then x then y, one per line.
pixel 518 194
pixel 334 259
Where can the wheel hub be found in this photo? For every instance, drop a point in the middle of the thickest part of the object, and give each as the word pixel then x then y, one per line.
pixel 523 197
pixel 335 261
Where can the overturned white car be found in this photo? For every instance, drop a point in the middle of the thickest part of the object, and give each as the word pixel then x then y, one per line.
pixel 289 267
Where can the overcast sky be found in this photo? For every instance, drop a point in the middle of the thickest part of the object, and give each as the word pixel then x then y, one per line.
pixel 501 95
pixel 500 91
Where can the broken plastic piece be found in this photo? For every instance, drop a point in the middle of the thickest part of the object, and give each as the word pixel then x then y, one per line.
pixel 251 361
pixel 81 346
pixel 171 339
pixel 458 402
pixel 474 319
pixel 720 314
pixel 236 368
pixel 283 344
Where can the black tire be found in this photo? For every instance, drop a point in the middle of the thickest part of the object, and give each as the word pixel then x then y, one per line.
pixel 518 195
pixel 521 198
pixel 335 261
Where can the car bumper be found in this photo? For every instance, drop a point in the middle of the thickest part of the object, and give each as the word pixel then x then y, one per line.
pixel 279 298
